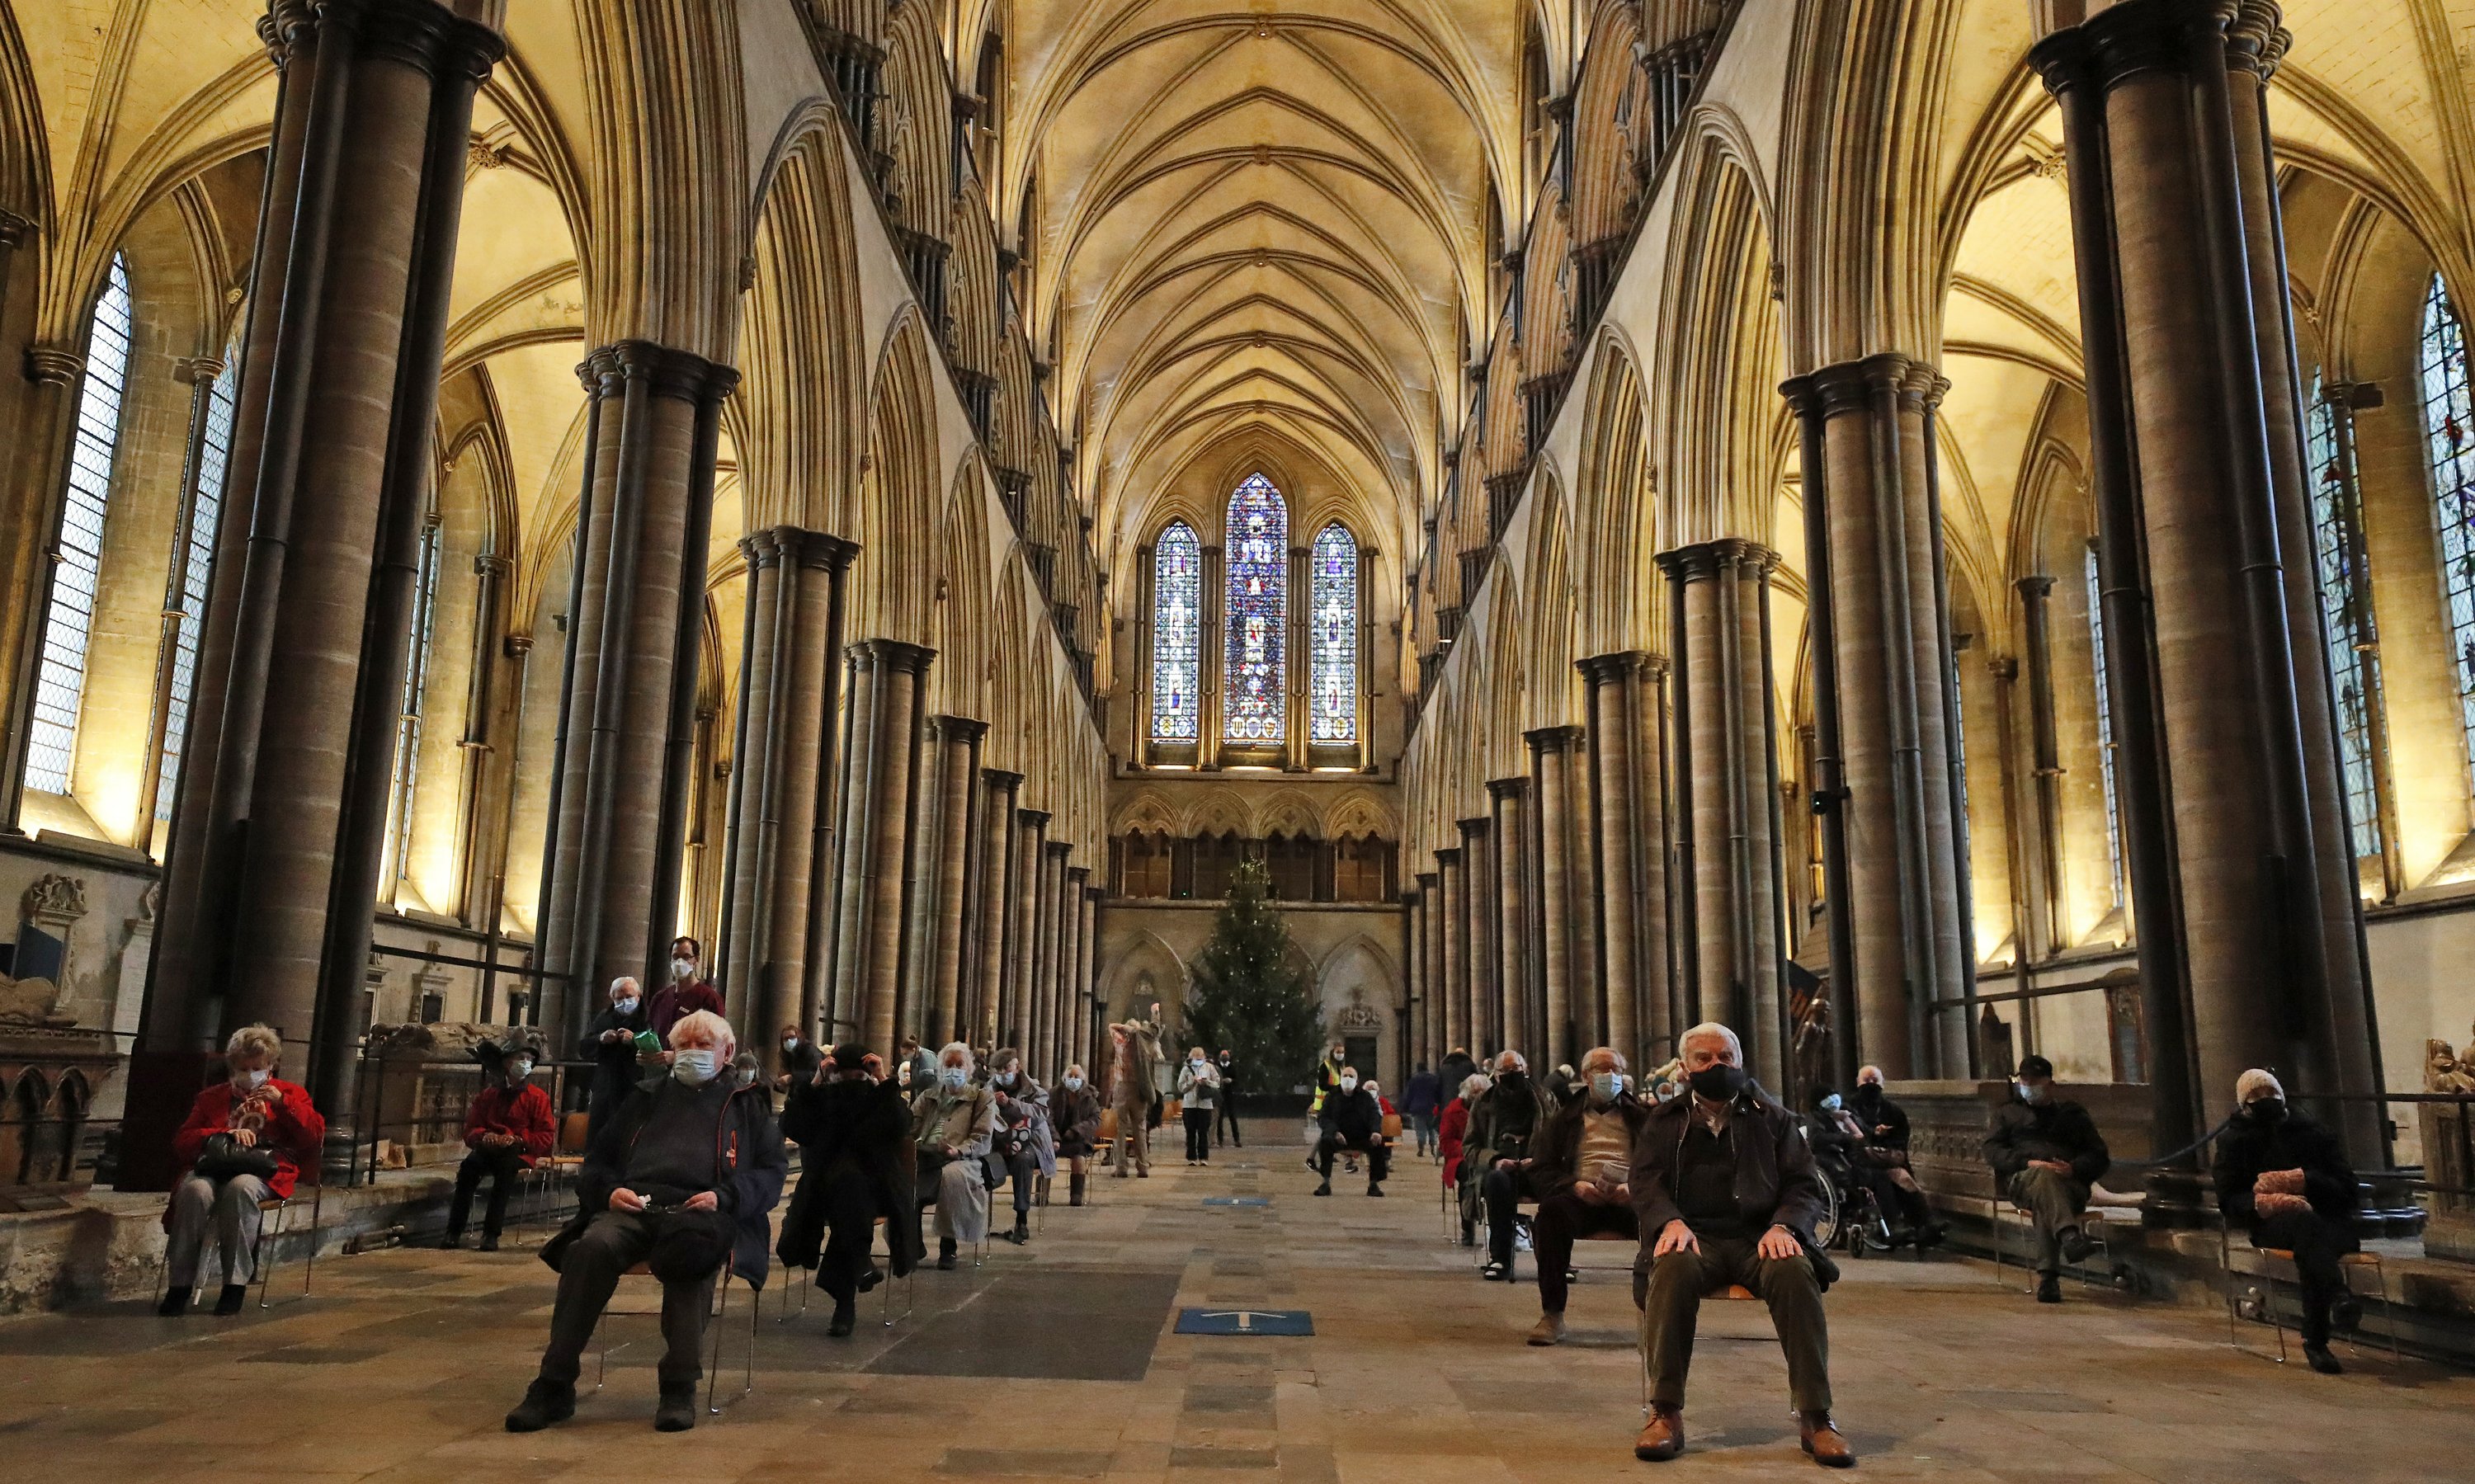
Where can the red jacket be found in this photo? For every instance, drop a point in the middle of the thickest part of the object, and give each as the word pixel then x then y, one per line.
pixel 1448 1135
pixel 673 1003
pixel 523 1114
pixel 293 1131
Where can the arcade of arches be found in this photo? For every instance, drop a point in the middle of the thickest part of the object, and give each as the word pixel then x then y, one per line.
pixel 1929 530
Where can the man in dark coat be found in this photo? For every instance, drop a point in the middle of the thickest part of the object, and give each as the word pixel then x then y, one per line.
pixel 1579 1169
pixel 1352 1118
pixel 682 1180
pixel 2046 1155
pixel 1420 1102
pixel 1225 1106
pixel 2285 1178
pixel 1725 1191
pixel 853 1137
pixel 1495 1154
pixel 610 1044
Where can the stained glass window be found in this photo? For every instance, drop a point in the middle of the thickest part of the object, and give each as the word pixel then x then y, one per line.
pixel 1177 635
pixel 1331 638
pixel 2346 623
pixel 59 685
pixel 191 566
pixel 2104 728
pixel 1255 668
pixel 2449 433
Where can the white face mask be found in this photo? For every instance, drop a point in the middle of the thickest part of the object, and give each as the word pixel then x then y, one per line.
pixel 1073 1085
pixel 693 1067
pixel 255 1078
pixel 682 968
pixel 1349 1084
pixel 790 1043
pixel 953 1076
pixel 1198 1064
pixel 625 1007
pixel 519 1069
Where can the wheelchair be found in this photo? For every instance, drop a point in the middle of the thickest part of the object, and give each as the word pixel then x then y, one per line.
pixel 1857 1219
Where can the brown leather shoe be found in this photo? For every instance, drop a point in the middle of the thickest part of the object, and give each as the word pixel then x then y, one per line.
pixel 1549 1331
pixel 1826 1444
pixel 1664 1438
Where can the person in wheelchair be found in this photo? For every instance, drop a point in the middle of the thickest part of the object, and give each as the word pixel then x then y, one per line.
pixel 1875 1207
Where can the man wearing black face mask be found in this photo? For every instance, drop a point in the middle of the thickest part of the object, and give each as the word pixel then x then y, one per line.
pixel 1724 1191
pixel 1495 1154
pixel 2048 1155
pixel 2286 1178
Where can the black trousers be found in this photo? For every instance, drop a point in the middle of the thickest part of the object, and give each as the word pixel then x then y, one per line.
pixel 1500 1188
pixel 1379 1155
pixel 849 1208
pixel 2316 1243
pixel 589 1274
pixel 502 1166
pixel 1225 1116
pixel 1199 1134
pixel 1563 1219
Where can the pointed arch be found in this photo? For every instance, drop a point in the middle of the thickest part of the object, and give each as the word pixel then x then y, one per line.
pixel 895 580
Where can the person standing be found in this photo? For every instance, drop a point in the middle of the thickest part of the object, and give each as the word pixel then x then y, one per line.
pixel 1421 1101
pixel 1131 1094
pixel 2048 1157
pixel 246 1140
pixel 2285 1178
pixel 1225 1106
pixel 610 1044
pixel 1198 1086
pixel 507 1130
pixel 687 992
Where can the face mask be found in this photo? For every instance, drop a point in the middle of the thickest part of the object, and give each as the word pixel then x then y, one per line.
pixel 254 1079
pixel 693 1067
pixel 1224 1058
pixel 682 968
pixel 953 1077
pixel 1868 1092
pixel 519 1069
pixel 1197 1064
pixel 1349 1084
pixel 2029 1093
pixel 1718 1082
pixel 1830 1104
pixel 1005 1078
pixel 2269 1109
pixel 790 1043
pixel 1603 1086
pixel 625 1007
pixel 1074 1084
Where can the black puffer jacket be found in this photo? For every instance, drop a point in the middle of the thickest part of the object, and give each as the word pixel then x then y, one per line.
pixel 2055 1128
pixel 843 1127
pixel 1355 1115
pixel 614 1062
pixel 2252 1147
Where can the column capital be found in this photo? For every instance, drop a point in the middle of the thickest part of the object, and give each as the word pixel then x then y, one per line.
pixel 959 729
pixel 1061 848
pixel 1849 386
pixel 1092 894
pixel 1475 829
pixel 1606 668
pixel 1501 789
pixel 14 230
pixel 1429 881
pixel 827 553
pixel 1076 875
pixel 194 370
pixel 1000 779
pixel 892 654
pixel 420 34
pixel 1450 855
pixel 1555 739
pixel 1031 818
pixel 54 364
pixel 683 375
pixel 762 549
pixel 2036 585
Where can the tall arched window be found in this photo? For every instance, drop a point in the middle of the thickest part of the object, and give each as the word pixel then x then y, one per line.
pixel 59 685
pixel 1177 635
pixel 2346 622
pixel 192 561
pixel 2449 433
pixel 2104 728
pixel 406 781
pixel 1331 638
pixel 1255 668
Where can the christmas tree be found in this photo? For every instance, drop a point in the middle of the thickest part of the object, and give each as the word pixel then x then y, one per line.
pixel 1247 999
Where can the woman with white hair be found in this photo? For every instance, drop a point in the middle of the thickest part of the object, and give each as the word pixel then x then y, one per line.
pixel 2285 1177
pixel 953 1124
pixel 246 1140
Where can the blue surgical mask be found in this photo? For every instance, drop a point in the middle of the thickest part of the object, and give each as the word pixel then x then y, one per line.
pixel 1830 1104
pixel 1196 1062
pixel 693 1067
pixel 625 1007
pixel 1074 1084
pixel 2031 1093
pixel 1604 1085
pixel 953 1077
pixel 519 1069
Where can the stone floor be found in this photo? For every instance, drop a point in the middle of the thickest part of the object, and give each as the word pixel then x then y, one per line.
pixel 1058 1361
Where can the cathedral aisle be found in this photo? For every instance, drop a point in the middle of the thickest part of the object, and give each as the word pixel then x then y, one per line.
pixel 1060 1362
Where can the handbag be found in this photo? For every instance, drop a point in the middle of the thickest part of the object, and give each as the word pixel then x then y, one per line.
pixel 222 1158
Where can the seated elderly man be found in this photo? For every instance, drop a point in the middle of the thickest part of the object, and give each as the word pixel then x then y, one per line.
pixel 1353 1119
pixel 684 1177
pixel 1496 1151
pixel 1581 1165
pixel 2048 1155
pixel 952 1124
pixel 1725 1191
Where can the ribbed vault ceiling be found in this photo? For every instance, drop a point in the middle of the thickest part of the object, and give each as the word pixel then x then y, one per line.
pixel 1257 227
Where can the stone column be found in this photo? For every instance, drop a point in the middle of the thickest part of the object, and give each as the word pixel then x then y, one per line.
pixel 880 764
pixel 956 741
pixel 1138 746
pixel 1517 1003
pixel 1082 900
pixel 1414 972
pixel 331 470
pixel 1629 813
pixel 785 749
pixel 992 890
pixel 1485 979
pixel 46 417
pixel 1430 953
pixel 1551 755
pixel 1914 965
pixel 1452 929
pixel 1727 771
pixel 1366 557
pixel 1049 1019
pixel 2046 767
pixel 1022 927
pixel 2195 421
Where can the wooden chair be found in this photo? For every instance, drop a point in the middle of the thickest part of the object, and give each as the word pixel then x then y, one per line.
pixel 713 1322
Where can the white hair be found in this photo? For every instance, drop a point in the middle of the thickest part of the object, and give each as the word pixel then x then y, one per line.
pixel 1520 1062
pixel 253 1042
pixel 957 1049
pixel 1712 1030
pixel 1605 1051
pixel 628 979
pixel 1473 1084
pixel 709 1026
pixel 1868 1067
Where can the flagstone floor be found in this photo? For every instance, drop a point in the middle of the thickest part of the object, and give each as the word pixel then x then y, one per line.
pixel 1060 1360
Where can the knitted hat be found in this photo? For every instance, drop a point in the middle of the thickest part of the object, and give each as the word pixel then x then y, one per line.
pixel 2257 1083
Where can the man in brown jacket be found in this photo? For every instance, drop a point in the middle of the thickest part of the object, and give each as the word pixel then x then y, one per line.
pixel 1724 1192
pixel 1580 1164
pixel 1133 1047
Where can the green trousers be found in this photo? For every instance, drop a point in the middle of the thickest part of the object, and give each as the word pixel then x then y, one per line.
pixel 1673 1303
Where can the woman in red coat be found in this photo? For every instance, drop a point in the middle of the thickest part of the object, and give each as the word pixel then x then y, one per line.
pixel 1448 1135
pixel 253 1118
pixel 506 1129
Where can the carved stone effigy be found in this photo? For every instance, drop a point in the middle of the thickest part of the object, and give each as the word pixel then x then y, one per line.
pixel 2448 1151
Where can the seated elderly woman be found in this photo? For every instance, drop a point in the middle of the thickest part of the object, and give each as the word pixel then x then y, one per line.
pixel 1074 1114
pixel 952 1124
pixel 684 1178
pixel 1022 1153
pixel 245 1141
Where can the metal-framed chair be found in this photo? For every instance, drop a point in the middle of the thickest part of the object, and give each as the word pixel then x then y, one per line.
pixel 885 1282
pixel 714 1322
pixel 260 1250
pixel 2348 1263
pixel 565 1159
pixel 2003 1216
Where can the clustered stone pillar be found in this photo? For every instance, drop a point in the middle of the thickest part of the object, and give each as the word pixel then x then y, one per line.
pixel 1726 784
pixel 1413 944
pixel 1075 999
pixel 1570 1028
pixel 994 861
pixel 1914 965
pixel 768 974
pixel 1431 958
pixel 880 765
pixel 2233 817
pixel 1055 973
pixel 1480 892
pixel 1624 729
pixel 1086 979
pixel 952 914
pixel 1516 1003
pixel 1022 927
pixel 1455 933
pixel 330 468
